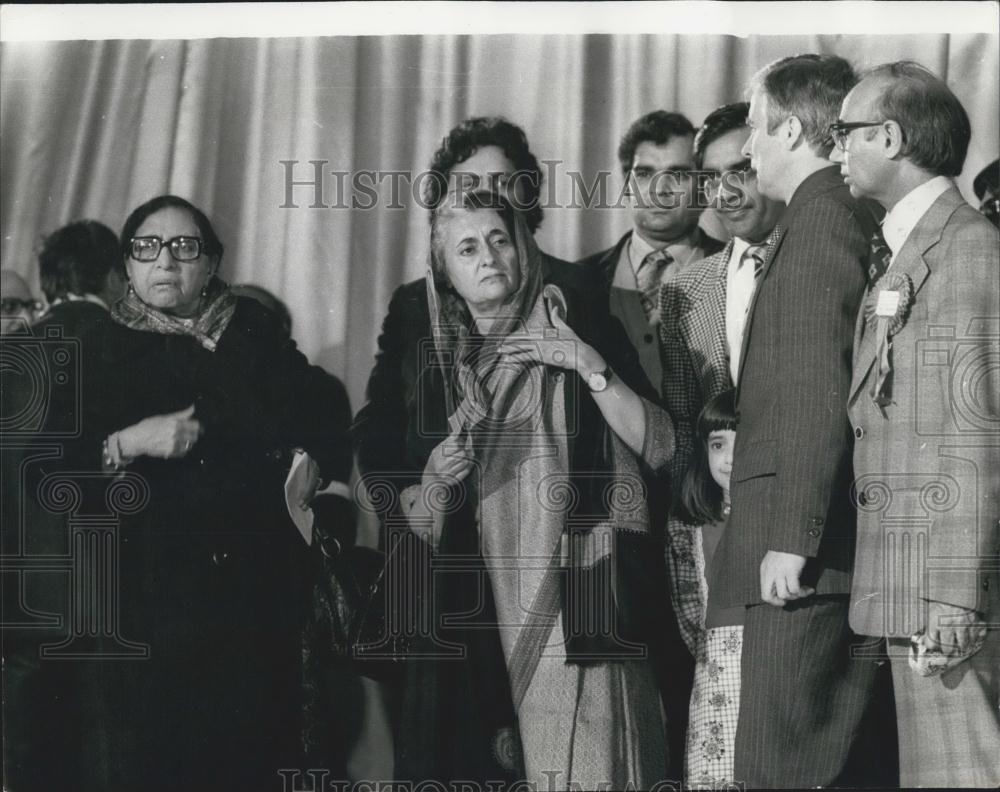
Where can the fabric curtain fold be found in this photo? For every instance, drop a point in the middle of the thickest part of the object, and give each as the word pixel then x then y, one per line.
pixel 94 128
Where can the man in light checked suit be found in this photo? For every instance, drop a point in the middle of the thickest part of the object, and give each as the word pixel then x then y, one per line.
pixel 702 311
pixel 926 417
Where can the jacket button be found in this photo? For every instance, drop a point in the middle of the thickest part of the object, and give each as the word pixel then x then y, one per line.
pixel 859 432
pixel 818 520
pixel 648 338
pixel 220 558
pixel 813 533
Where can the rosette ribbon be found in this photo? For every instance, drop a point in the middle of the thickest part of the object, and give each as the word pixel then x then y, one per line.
pixel 886 309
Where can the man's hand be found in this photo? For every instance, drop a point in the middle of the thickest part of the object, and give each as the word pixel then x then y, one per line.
pixel 952 628
pixel 779 578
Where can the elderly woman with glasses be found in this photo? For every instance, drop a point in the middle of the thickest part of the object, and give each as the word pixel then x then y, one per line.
pixel 197 398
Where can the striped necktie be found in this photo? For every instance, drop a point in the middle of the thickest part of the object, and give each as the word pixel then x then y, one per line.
pixel 648 278
pixel 755 252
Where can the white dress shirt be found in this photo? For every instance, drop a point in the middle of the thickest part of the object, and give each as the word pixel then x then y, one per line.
pixel 740 285
pixel 900 221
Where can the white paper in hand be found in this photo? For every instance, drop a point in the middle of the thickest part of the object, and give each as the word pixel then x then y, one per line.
pixel 296 487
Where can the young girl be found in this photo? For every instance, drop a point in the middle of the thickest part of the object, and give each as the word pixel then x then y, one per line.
pixel 704 507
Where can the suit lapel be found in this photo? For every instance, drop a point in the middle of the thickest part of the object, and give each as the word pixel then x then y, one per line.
pixel 704 320
pixel 717 302
pixel 912 263
pixel 609 263
pixel 773 245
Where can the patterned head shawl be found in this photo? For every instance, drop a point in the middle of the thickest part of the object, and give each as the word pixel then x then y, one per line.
pixel 522 310
pixel 207 326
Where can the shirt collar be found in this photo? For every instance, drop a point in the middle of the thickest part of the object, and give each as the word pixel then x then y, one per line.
pixel 680 250
pixel 900 221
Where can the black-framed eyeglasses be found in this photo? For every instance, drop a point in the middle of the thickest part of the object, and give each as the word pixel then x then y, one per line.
pixel 840 130
pixel 182 248
pixel 13 305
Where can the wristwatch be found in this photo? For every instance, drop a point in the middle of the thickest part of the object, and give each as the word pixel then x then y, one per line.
pixel 598 380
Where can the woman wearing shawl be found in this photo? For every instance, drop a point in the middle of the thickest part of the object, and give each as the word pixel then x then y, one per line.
pixel 511 431
pixel 193 400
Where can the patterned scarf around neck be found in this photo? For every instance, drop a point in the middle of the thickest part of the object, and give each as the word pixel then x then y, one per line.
pixel 207 326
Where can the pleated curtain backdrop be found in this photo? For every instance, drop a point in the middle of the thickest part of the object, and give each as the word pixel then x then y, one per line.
pixel 90 129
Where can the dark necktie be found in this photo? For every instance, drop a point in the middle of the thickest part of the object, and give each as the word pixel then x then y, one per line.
pixel 648 278
pixel 755 252
pixel 879 256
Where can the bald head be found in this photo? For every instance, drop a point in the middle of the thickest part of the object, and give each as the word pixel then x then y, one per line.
pixel 17 302
pixel 899 127
pixel 935 126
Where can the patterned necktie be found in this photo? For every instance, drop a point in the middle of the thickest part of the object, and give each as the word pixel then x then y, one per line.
pixel 755 252
pixel 648 278
pixel 879 256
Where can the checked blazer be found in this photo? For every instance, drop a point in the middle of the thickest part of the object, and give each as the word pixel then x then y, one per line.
pixel 694 348
pixel 695 369
pixel 626 305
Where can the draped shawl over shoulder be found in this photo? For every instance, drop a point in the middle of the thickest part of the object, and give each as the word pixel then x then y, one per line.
pixel 551 538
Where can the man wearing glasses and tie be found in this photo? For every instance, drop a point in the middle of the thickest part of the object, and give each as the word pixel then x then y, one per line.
pixel 924 403
pixel 702 313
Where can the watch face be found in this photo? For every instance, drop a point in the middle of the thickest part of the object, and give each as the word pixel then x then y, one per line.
pixel 597 381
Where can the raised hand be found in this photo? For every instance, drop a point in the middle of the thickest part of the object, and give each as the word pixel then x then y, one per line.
pixel 563 349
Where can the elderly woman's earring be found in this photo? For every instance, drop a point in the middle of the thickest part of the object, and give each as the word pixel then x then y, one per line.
pixel 131 290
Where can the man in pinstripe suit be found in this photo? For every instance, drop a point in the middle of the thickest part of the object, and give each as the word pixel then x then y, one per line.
pixel 788 550
pixel 927 420
pixel 702 311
